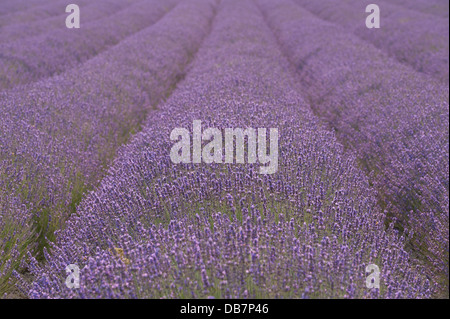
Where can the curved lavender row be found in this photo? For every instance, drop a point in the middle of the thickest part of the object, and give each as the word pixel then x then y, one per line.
pixel 154 229
pixel 396 119
pixel 437 7
pixel 40 12
pixel 91 11
pixel 19 5
pixel 61 49
pixel 417 39
pixel 57 135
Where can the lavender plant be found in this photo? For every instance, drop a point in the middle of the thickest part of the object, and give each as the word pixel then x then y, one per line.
pixel 16 235
pixel 417 39
pixel 155 229
pixel 394 118
pixel 34 13
pixel 51 53
pixel 12 6
pixel 57 135
pixel 437 7
pixel 26 26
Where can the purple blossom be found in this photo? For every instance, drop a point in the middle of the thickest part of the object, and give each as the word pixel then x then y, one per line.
pixel 224 231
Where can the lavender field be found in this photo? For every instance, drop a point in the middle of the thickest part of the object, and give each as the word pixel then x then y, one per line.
pixel 357 176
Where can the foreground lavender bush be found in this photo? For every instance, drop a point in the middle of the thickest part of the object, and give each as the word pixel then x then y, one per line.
pixel 394 118
pixel 155 229
pixel 60 49
pixel 411 37
pixel 27 27
pixel 56 136
pixel 16 235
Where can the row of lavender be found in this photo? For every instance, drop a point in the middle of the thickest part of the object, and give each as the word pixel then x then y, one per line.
pixel 60 49
pixel 396 119
pixel 417 39
pixel 57 135
pixel 439 8
pixel 44 11
pixel 26 26
pixel 12 6
pixel 155 229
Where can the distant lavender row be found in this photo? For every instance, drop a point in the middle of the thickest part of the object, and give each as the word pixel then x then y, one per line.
pixel 61 49
pixel 154 229
pixel 72 123
pixel 414 38
pixel 437 7
pixel 394 118
pixel 41 12
pixel 57 135
pixel 91 12
pixel 10 6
